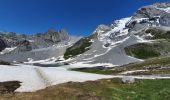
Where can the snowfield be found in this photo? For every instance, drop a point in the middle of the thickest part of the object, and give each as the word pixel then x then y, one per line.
pixel 35 78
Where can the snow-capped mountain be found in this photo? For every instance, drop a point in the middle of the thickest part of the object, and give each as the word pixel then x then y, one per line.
pixel 108 43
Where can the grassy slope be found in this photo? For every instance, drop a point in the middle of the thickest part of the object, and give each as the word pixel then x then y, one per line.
pixel 158 33
pixel 82 47
pixel 150 50
pixel 110 89
pixel 142 51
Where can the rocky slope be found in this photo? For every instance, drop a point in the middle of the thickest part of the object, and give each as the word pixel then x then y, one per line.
pixel 21 47
pixel 148 25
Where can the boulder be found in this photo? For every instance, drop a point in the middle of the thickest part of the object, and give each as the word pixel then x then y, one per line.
pixel 128 79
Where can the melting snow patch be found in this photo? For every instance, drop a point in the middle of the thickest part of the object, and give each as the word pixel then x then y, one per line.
pixel 165 9
pixel 85 64
pixel 7 50
pixel 129 72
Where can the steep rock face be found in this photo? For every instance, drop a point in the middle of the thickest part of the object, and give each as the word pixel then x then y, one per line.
pixel 165 19
pixel 54 36
pixel 23 46
pixel 152 15
pixel 2 45
pixel 148 12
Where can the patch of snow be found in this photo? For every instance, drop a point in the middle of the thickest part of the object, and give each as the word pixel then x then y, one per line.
pixel 165 9
pixel 7 50
pixel 91 40
pixel 87 54
pixel 135 58
pixel 141 19
pixel 141 40
pixel 129 72
pixel 85 64
pixel 149 35
pixel 46 61
pixel 31 40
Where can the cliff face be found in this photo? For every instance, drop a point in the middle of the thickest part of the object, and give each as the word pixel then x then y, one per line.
pixel 2 45
pixel 56 36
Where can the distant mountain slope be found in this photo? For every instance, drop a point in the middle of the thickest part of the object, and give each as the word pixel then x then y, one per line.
pixel 21 47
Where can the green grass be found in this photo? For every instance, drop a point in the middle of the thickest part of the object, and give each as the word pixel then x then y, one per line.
pixel 109 89
pixel 150 50
pixel 73 51
pixel 142 51
pixel 158 33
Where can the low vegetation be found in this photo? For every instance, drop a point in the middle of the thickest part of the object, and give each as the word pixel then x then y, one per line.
pixel 158 33
pixel 80 47
pixel 9 87
pixel 161 46
pixel 142 50
pixel 109 89
pixel 4 63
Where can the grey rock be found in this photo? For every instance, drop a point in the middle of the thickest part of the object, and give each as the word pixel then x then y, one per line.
pixel 148 12
pixel 165 19
pixel 25 42
pixel 2 45
pixel 128 79
pixel 54 36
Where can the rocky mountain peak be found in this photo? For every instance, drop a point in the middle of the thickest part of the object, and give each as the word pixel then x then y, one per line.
pixel 152 11
pixel 57 36
pixel 100 30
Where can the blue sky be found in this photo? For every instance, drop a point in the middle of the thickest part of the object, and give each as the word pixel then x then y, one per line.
pixel 79 17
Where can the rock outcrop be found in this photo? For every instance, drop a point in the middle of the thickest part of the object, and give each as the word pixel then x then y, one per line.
pixel 2 45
